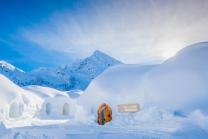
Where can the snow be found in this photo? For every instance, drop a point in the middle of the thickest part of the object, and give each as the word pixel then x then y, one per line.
pixel 57 104
pixel 4 64
pixel 179 84
pixel 3 129
pixel 75 93
pixel 117 85
pixel 44 92
pixel 154 123
pixel 15 101
pixel 172 95
pixel 10 95
pixel 77 75
pixel 177 87
pixel 84 71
